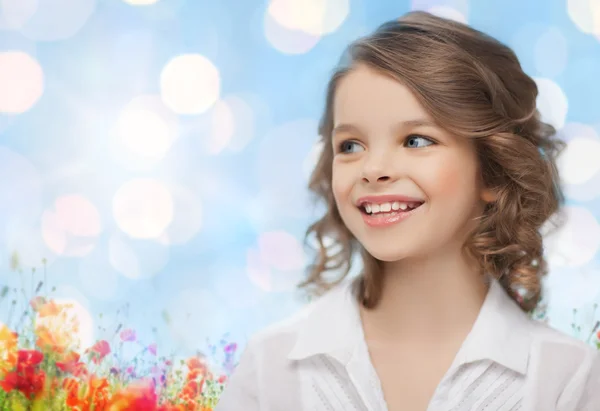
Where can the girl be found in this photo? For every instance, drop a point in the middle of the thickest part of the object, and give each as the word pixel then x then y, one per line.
pixel 438 170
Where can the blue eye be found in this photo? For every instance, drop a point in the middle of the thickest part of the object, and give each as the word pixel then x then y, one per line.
pixel 415 141
pixel 346 146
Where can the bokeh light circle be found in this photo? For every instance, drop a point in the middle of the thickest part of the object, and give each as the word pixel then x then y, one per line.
pixel 190 84
pixel 551 102
pixel 460 8
pixel 250 113
pixel 144 132
pixel 277 262
pixel 314 17
pixel 580 161
pixel 231 124
pixel 98 278
pixel 551 52
pixel 281 250
pixel 585 14
pixel 57 19
pixel 26 238
pixel 222 127
pixel 74 313
pixel 72 227
pixel 15 13
pixel 21 187
pixel 143 208
pixel 279 191
pixel 288 41
pixel 141 2
pixel 448 13
pixel 21 82
pixel 311 160
pixel 137 258
pixel 187 216
pixel 580 186
pixel 577 241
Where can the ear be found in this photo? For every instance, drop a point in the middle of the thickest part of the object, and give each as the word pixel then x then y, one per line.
pixel 488 195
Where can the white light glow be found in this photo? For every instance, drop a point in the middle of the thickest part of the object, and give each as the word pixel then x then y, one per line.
pixel 190 84
pixel 21 82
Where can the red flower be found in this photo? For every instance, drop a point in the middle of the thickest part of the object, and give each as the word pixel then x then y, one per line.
pixel 97 394
pixel 87 395
pixel 134 397
pixel 98 351
pixel 194 363
pixel 71 387
pixel 26 378
pixel 29 382
pixel 29 358
pixel 192 389
pixel 171 407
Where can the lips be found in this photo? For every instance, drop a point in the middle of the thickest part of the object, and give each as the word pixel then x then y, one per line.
pixel 389 209
pixel 385 219
pixel 373 205
pixel 388 198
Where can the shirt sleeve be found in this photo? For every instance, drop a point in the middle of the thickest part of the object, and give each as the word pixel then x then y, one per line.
pixel 241 391
pixel 590 398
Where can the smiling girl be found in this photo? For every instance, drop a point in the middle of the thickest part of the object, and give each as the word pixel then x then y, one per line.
pixel 438 171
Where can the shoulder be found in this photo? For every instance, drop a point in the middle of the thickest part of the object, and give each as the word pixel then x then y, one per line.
pixel 264 377
pixel 551 342
pixel 566 366
pixel 279 337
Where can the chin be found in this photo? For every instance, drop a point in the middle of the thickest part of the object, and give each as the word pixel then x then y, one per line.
pixel 387 254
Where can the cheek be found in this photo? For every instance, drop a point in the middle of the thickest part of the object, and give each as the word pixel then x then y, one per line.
pixel 451 177
pixel 337 186
pixel 341 181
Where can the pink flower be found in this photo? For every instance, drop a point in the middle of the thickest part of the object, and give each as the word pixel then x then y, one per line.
pixel 37 302
pixel 230 348
pixel 152 349
pixel 128 335
pixel 98 351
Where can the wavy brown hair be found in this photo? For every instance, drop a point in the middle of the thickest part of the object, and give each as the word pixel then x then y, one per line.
pixel 474 87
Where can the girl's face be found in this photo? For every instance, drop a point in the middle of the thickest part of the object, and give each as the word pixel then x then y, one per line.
pixel 403 186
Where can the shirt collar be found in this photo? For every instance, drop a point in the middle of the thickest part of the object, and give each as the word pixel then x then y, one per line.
pixel 501 332
pixel 332 326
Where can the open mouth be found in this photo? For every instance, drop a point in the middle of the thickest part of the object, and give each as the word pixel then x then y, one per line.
pixel 388 208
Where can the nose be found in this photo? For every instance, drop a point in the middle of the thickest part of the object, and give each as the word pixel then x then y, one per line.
pixel 378 167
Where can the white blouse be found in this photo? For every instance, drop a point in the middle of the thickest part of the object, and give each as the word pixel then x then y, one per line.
pixel 318 360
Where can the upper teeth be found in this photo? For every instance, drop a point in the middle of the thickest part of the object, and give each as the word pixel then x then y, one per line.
pixel 386 207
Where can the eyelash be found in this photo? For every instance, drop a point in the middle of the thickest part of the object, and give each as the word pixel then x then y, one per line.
pixel 341 144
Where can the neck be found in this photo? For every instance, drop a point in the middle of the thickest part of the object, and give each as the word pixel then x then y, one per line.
pixel 426 299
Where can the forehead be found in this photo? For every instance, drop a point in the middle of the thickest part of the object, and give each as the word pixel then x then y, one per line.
pixel 368 96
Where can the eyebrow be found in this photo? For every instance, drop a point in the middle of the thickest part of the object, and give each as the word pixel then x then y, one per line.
pixel 420 122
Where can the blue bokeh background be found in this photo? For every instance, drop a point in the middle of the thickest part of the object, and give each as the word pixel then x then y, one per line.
pixel 187 203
